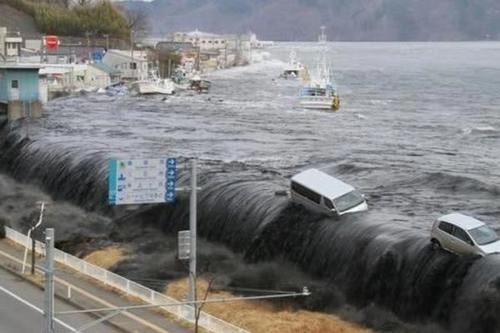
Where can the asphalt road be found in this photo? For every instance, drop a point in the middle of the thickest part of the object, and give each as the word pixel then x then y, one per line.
pixel 21 304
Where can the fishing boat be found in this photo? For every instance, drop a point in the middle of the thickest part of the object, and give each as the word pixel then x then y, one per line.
pixel 153 85
pixel 320 92
pixel 294 68
pixel 199 85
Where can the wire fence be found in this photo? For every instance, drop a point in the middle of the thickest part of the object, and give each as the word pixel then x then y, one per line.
pixel 181 311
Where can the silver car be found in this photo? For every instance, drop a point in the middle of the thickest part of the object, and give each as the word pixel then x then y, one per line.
pixel 462 234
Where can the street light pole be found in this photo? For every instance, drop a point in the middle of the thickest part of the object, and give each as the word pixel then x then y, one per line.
pixel 192 228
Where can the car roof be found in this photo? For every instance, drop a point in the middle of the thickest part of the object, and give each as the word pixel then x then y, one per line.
pixel 322 183
pixel 462 221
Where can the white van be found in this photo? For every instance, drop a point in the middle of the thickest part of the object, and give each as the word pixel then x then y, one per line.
pixel 323 193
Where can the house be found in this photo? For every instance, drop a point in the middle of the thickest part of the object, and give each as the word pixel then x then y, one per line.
pixel 11 44
pixel 19 91
pixel 133 65
pixel 100 75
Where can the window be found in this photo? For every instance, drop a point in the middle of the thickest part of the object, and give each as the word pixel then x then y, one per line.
pixel 305 192
pixel 462 235
pixel 133 65
pixel 348 201
pixel 446 227
pixel 14 84
pixel 483 235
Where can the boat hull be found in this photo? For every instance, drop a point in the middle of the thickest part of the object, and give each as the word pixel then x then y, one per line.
pixel 152 88
pixel 320 104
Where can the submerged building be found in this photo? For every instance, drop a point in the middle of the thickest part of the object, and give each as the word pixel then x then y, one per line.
pixel 19 91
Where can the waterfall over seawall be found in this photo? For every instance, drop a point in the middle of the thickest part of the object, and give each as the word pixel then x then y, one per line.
pixel 390 266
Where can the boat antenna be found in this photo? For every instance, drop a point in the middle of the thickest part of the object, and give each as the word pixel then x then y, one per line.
pixel 324 71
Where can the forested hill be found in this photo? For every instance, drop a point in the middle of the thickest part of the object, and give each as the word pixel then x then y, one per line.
pixel 344 19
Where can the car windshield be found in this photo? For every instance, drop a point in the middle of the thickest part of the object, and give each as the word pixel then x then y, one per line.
pixel 483 235
pixel 348 201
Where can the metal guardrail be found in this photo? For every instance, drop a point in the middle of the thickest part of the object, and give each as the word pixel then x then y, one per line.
pixel 181 311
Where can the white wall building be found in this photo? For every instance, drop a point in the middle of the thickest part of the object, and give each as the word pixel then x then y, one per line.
pixel 13 46
pixel 3 35
pixel 133 65
pixel 204 40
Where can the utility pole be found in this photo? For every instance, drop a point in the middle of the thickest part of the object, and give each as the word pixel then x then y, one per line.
pixel 107 41
pixel 192 228
pixel 87 34
pixel 49 281
pixel 30 231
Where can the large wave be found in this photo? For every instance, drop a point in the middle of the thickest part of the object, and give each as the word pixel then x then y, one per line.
pixel 371 263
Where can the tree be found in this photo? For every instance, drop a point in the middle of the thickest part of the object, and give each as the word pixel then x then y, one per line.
pixel 136 19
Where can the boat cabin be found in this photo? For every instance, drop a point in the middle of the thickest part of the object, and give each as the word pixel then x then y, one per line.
pixel 325 194
pixel 318 91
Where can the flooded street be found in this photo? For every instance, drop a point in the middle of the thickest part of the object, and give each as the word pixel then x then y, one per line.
pixel 418 132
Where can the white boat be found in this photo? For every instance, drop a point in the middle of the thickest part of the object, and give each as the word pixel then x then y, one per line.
pixel 153 85
pixel 294 69
pixel 320 92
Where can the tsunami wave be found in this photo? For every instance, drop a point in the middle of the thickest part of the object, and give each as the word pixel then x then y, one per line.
pixel 370 263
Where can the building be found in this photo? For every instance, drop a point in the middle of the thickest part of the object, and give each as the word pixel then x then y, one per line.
pixel 19 91
pixel 3 35
pixel 133 65
pixel 13 45
pixel 100 75
pixel 203 40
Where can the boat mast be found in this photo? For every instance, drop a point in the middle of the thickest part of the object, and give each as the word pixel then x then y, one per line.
pixel 323 70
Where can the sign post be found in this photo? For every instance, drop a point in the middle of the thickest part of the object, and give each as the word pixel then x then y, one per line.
pixel 154 181
pixel 49 281
pixel 192 228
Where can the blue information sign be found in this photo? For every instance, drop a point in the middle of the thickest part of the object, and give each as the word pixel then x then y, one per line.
pixel 142 181
pixel 171 179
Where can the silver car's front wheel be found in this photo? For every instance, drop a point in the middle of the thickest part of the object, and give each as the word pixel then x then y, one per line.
pixel 435 244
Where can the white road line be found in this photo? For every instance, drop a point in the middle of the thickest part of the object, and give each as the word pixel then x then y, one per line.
pixel 95 298
pixel 34 307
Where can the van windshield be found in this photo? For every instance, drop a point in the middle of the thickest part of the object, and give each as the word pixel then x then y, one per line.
pixel 348 201
pixel 483 235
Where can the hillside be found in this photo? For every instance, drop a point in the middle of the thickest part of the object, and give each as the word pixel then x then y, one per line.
pixel 345 19
pixel 51 17
pixel 16 20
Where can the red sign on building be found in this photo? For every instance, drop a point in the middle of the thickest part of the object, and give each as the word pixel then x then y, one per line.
pixel 51 42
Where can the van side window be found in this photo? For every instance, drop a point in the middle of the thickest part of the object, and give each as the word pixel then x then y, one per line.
pixel 446 227
pixel 328 203
pixel 462 235
pixel 305 192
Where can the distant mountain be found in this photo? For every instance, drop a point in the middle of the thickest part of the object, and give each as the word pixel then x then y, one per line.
pixel 344 19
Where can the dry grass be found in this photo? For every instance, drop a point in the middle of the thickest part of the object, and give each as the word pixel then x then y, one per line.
pixel 107 257
pixel 263 317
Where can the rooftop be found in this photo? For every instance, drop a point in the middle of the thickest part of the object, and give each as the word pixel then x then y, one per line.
pixel 137 54
pixel 322 183
pixel 18 66
pixel 105 68
pixel 461 220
